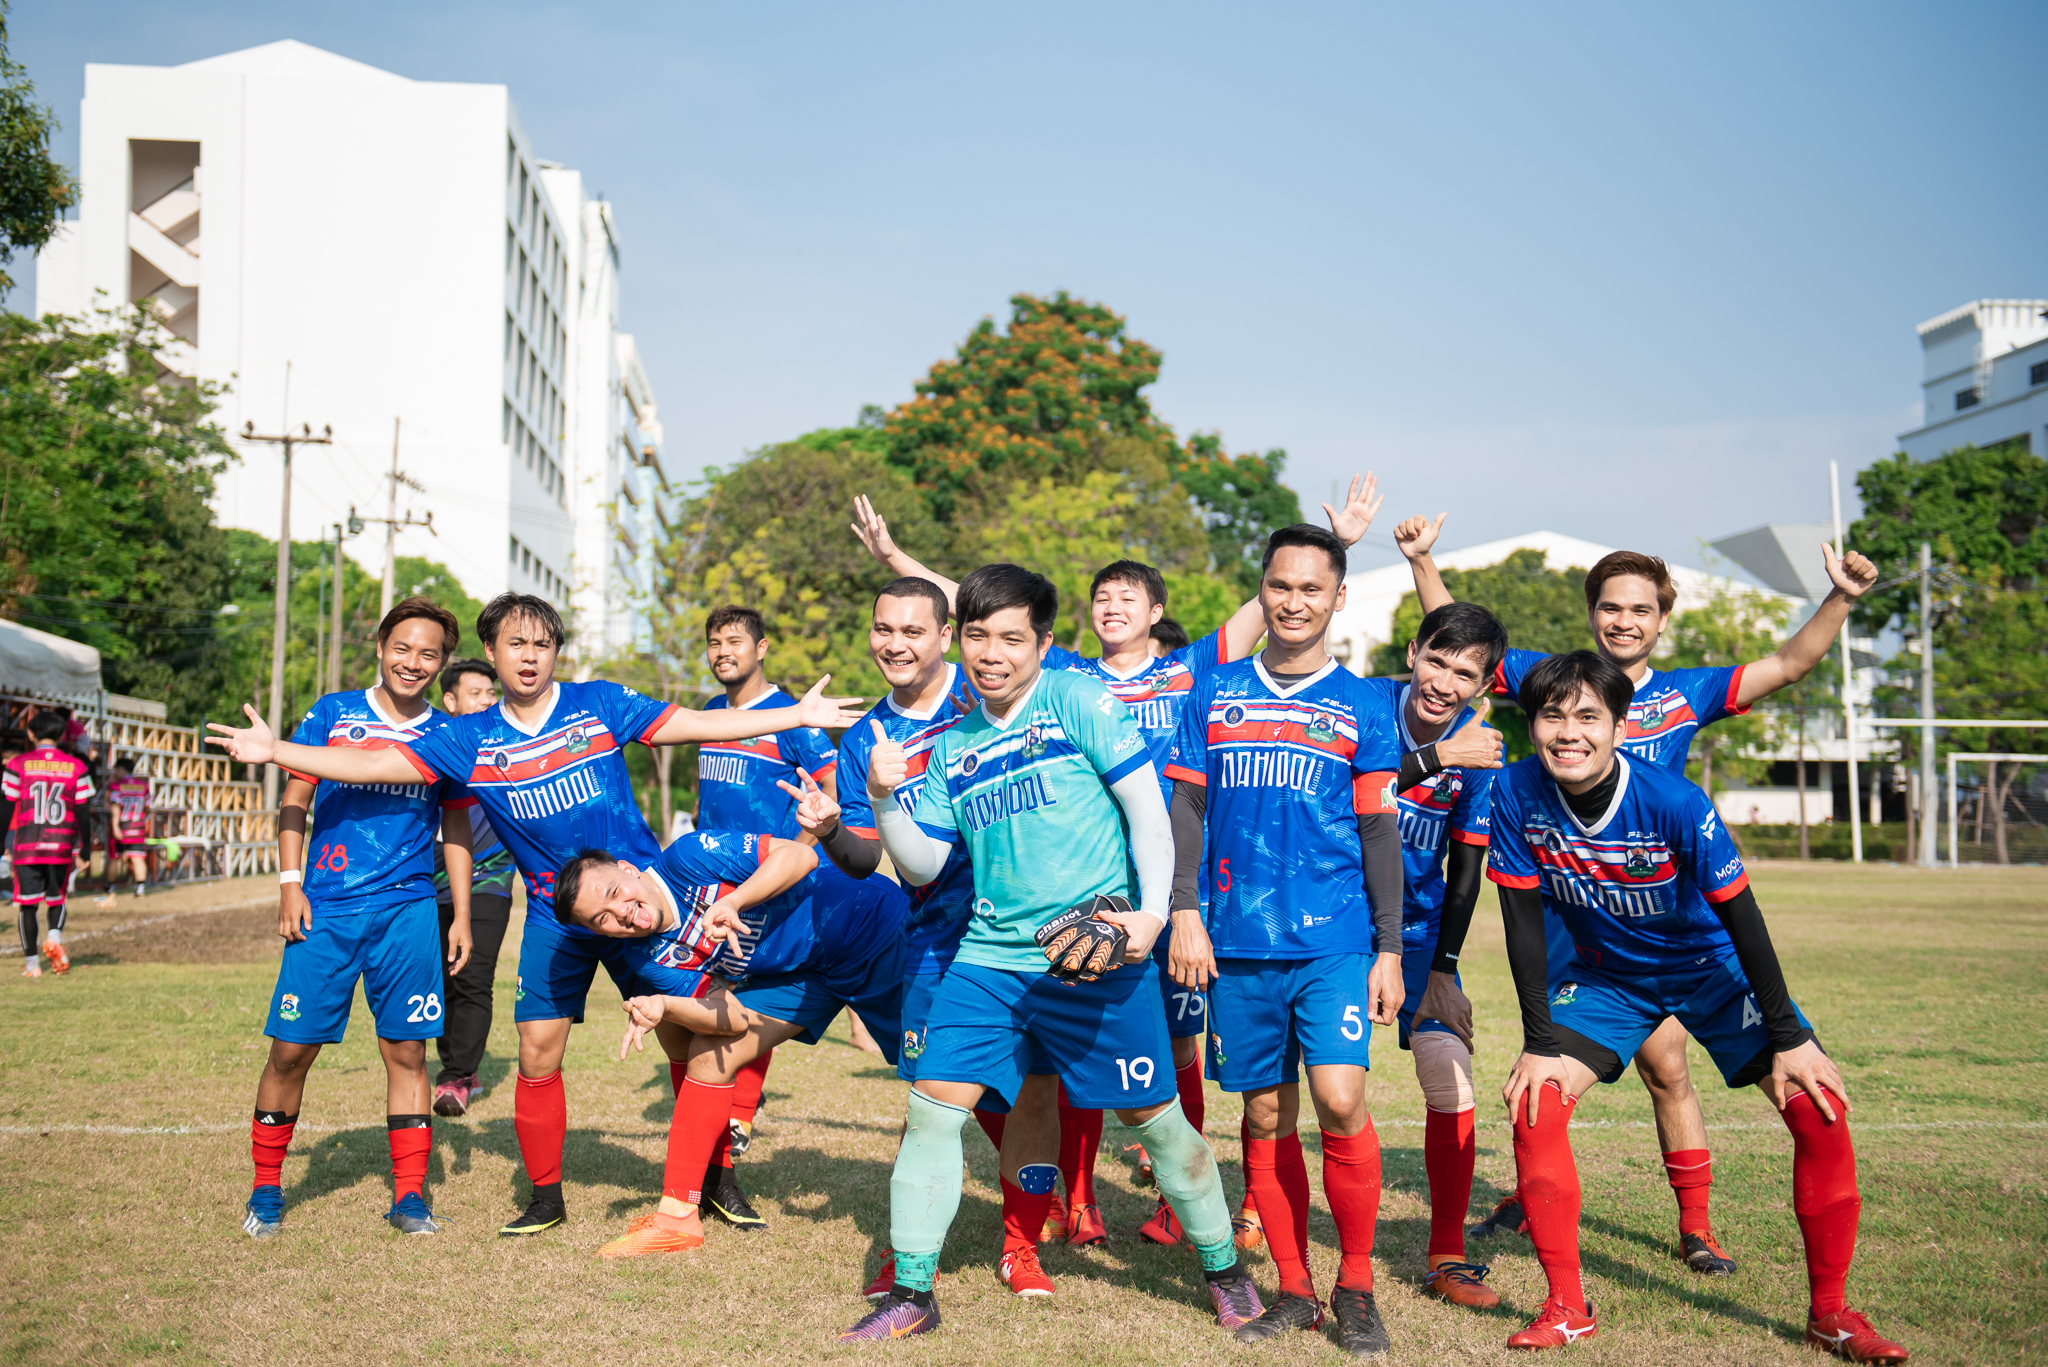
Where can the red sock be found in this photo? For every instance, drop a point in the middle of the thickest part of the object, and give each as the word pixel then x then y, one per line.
pixel 1293 1169
pixel 1351 1184
pixel 1193 1103
pixel 677 1071
pixel 412 1144
pixel 992 1125
pixel 1448 1154
pixel 1080 1138
pixel 1824 1197
pixel 702 1110
pixel 268 1139
pixel 1024 1216
pixel 540 1117
pixel 1270 1179
pixel 721 1148
pixel 1548 1180
pixel 1244 1148
pixel 746 1088
pixel 1692 1180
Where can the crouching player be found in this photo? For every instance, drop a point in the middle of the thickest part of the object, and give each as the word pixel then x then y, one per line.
pixel 1636 862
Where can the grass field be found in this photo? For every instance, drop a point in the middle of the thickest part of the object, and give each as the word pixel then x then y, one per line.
pixel 124 1164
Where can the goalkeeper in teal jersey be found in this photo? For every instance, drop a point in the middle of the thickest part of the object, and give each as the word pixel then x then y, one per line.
pixel 1050 786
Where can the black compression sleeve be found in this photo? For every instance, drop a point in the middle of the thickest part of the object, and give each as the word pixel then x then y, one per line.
pixel 1417 765
pixel 856 856
pixel 1379 842
pixel 1461 891
pixel 1743 919
pixel 1190 818
pixel 1521 915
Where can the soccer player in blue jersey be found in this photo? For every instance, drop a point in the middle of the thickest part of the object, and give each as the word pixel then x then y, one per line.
pixel 547 765
pixel 1284 775
pixel 1636 863
pixel 1049 786
pixel 357 903
pixel 1629 598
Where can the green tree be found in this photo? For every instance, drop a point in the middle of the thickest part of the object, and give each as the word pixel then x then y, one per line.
pixel 35 188
pixel 1242 502
pixel 1984 507
pixel 1733 627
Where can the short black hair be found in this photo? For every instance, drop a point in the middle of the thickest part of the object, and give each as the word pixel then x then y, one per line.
pixel 510 605
pixel 425 609
pixel 1560 678
pixel 125 765
pixel 915 586
pixel 1314 537
pixel 569 881
pixel 1459 627
pixel 995 588
pixel 736 615
pixel 452 674
pixel 1170 634
pixel 49 725
pixel 1134 573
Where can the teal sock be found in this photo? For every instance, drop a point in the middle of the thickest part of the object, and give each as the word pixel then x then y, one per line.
pixel 924 1190
pixel 1185 1167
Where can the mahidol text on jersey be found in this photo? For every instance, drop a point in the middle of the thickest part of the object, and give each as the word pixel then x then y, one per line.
pixel 939 910
pixel 736 778
pixel 371 845
pixel 49 789
pixel 1667 711
pixel 128 808
pixel 490 863
pixel 1028 796
pixel 557 789
pixel 1156 693
pixel 1289 770
pixel 1634 888
pixel 1452 804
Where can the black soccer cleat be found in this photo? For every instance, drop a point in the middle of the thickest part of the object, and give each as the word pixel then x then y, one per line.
pixel 723 1198
pixel 1359 1330
pixel 542 1213
pixel 1507 1218
pixel 1705 1256
pixel 1289 1312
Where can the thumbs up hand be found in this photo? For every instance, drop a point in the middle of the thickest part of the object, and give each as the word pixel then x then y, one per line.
pixel 887 765
pixel 1473 746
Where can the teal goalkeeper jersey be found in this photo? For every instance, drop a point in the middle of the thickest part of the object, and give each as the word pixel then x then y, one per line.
pixel 1030 797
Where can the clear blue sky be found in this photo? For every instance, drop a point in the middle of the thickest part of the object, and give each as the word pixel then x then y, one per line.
pixel 1633 273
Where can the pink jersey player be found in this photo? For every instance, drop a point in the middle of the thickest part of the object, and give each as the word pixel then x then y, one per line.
pixel 49 789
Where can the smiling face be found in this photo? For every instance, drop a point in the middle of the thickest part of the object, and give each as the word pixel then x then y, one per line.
pixel 1300 592
pixel 1445 681
pixel 410 657
pixel 907 642
pixel 1576 738
pixel 524 656
pixel 1627 619
pixel 1001 653
pixel 472 693
pixel 619 902
pixel 733 654
pixel 1122 614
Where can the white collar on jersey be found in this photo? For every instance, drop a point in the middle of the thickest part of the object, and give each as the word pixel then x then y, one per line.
pixel 910 714
pixel 1016 708
pixel 1644 682
pixel 1146 666
pixel 1259 666
pixel 370 701
pixel 1613 806
pixel 758 698
pixel 675 905
pixel 554 697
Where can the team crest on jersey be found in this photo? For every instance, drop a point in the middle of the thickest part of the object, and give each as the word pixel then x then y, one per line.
pixel 576 742
pixel 1565 995
pixel 913 1044
pixel 358 732
pixel 1233 715
pixel 1554 841
pixel 1034 741
pixel 288 1007
pixel 969 763
pixel 1653 715
pixel 499 759
pixel 1321 727
pixel 1638 864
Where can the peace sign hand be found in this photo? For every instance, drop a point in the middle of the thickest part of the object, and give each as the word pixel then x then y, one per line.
pixel 816 813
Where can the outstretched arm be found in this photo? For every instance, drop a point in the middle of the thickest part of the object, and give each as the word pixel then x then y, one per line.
pixel 684 727
pixel 1415 536
pixel 254 744
pixel 1350 523
pixel 873 532
pixel 1853 574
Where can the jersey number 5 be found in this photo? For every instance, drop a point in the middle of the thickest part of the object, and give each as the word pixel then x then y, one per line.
pixel 1223 875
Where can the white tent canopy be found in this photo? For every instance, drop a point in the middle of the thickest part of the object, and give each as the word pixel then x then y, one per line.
pixel 41 665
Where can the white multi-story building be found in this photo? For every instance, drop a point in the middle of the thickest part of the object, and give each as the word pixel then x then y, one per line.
pixel 344 247
pixel 1986 378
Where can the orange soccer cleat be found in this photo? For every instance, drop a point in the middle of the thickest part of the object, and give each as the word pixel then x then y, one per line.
pixel 1556 1326
pixel 1461 1283
pixel 662 1234
pixel 1245 1229
pixel 1019 1270
pixel 1163 1227
pixel 60 962
pixel 1055 1226
pixel 1084 1226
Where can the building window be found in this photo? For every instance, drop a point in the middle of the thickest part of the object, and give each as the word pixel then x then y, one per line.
pixel 2037 373
pixel 1968 398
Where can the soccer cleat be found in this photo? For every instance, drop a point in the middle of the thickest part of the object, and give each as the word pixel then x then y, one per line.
pixel 723 1198
pixel 895 1318
pixel 1055 1226
pixel 1246 1231
pixel 1236 1300
pixel 1142 1176
pixel 540 1214
pixel 740 1136
pixel 452 1097
pixel 662 1234
pixel 1846 1334
pixel 33 970
pixel 1289 1312
pixel 1163 1227
pixel 1461 1284
pixel 1360 1331
pixel 1019 1270
pixel 409 1215
pixel 1704 1256
pixel 1507 1218
pixel 60 962
pixel 883 1279
pixel 1084 1226
pixel 263 1218
pixel 1555 1326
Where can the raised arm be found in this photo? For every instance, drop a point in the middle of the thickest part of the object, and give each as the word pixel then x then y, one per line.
pixel 254 744
pixel 918 855
pixel 1415 537
pixel 873 532
pixel 684 726
pixel 1853 574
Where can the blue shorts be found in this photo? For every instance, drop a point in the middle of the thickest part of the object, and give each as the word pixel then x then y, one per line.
pixel 1106 1040
pixel 556 966
pixel 1187 1011
pixel 397 954
pixel 811 999
pixel 1269 1016
pixel 1614 1015
pixel 1415 962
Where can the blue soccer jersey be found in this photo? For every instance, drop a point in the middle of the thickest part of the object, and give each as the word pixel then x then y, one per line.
pixel 1452 804
pixel 371 845
pixel 1636 887
pixel 940 910
pixel 557 789
pixel 1288 772
pixel 1667 711
pixel 1156 693
pixel 736 778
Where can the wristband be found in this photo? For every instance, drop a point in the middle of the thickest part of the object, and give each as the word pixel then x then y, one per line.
pixel 291 876
pixel 1430 763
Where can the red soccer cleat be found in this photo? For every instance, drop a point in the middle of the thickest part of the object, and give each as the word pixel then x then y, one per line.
pixel 662 1234
pixel 1245 1229
pixel 1555 1326
pixel 1084 1226
pixel 1019 1270
pixel 1142 1175
pixel 884 1278
pixel 1163 1227
pixel 1848 1335
pixel 60 962
pixel 1055 1226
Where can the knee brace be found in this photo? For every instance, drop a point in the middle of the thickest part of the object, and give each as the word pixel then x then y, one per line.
pixel 924 1190
pixel 1443 1065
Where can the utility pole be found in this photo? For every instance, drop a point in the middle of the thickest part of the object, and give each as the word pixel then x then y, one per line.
pixel 1848 675
pixel 280 614
pixel 1928 800
pixel 332 664
pixel 392 522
